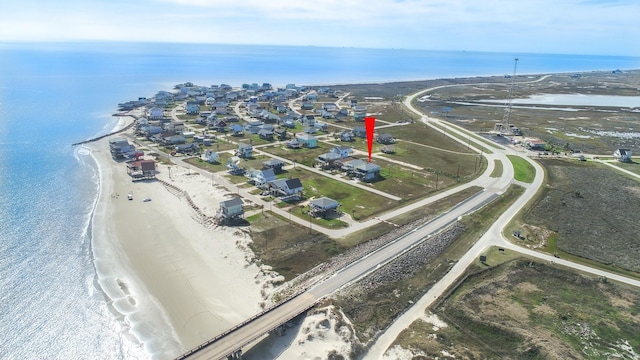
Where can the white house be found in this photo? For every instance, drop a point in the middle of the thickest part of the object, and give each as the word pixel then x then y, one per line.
pixel 622 155
pixel 286 189
pixel 210 156
pixel 343 151
pixel 155 113
pixel 260 178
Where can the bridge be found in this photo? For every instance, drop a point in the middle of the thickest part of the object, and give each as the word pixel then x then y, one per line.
pixel 231 341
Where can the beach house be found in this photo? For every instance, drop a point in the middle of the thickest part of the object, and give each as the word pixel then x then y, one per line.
pixel 260 178
pixel 323 207
pixel 286 189
pixel 244 150
pixel 275 164
pixel 231 210
pixel 155 113
pixel 622 155
pixel 142 170
pixel 307 140
pixel 367 172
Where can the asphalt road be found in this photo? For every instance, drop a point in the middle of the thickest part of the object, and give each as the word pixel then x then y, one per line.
pixel 349 274
pixel 493 237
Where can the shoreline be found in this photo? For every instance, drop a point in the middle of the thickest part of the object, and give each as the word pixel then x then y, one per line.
pixel 166 283
pixel 171 281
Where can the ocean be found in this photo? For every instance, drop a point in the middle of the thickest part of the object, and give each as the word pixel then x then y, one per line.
pixel 55 94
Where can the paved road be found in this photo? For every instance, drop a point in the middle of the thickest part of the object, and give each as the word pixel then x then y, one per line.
pixel 493 187
pixel 254 329
pixel 493 237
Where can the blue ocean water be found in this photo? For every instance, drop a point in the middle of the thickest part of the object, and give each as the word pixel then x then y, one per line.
pixel 54 94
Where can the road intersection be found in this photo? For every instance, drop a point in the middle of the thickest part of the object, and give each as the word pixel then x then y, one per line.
pixel 253 328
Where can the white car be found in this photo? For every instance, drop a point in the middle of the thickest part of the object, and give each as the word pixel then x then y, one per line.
pixel 146 199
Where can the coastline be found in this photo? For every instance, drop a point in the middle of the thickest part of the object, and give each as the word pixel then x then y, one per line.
pixel 176 282
pixel 171 281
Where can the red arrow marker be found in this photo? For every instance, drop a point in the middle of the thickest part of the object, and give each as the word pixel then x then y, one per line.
pixel 369 124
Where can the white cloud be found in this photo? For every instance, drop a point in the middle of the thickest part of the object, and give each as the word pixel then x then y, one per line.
pixel 574 26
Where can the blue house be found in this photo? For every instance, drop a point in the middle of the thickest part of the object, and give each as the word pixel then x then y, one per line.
pixel 192 109
pixel 252 127
pixel 260 178
pixel 307 140
pixel 359 131
pixel 367 171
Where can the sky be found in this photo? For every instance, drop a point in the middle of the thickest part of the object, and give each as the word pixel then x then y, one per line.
pixel 599 27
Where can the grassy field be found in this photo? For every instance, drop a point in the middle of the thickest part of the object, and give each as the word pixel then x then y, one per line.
pixel 523 171
pixel 528 310
pixel 634 167
pixel 588 210
pixel 289 248
pixel 292 249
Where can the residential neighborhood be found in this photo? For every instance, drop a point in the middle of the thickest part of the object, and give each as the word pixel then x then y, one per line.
pixel 284 140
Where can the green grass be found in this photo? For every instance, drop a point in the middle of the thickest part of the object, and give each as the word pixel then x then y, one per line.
pixel 424 212
pixel 523 171
pixel 634 167
pixel 355 201
pixel 497 170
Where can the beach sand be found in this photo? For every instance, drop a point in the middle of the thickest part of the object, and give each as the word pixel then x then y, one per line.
pixel 175 282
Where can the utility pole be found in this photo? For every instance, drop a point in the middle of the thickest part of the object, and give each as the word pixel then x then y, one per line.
pixel 506 120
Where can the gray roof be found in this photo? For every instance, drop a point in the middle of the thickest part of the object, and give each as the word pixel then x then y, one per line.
pixel 294 183
pixel 273 162
pixel 231 203
pixel 368 167
pixel 324 203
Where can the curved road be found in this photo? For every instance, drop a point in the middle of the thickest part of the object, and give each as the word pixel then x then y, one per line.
pixel 493 237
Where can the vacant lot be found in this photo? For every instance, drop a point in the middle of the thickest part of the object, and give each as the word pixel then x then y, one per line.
pixel 590 210
pixel 289 248
pixel 527 310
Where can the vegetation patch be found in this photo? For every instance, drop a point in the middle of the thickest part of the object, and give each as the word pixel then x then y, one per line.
pixel 528 310
pixel 377 300
pixel 522 169
pixel 289 248
pixel 497 170
pixel 582 219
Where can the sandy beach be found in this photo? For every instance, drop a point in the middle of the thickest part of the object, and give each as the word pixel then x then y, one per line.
pixel 174 281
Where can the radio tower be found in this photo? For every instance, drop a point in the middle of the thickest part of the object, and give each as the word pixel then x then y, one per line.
pixel 506 120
